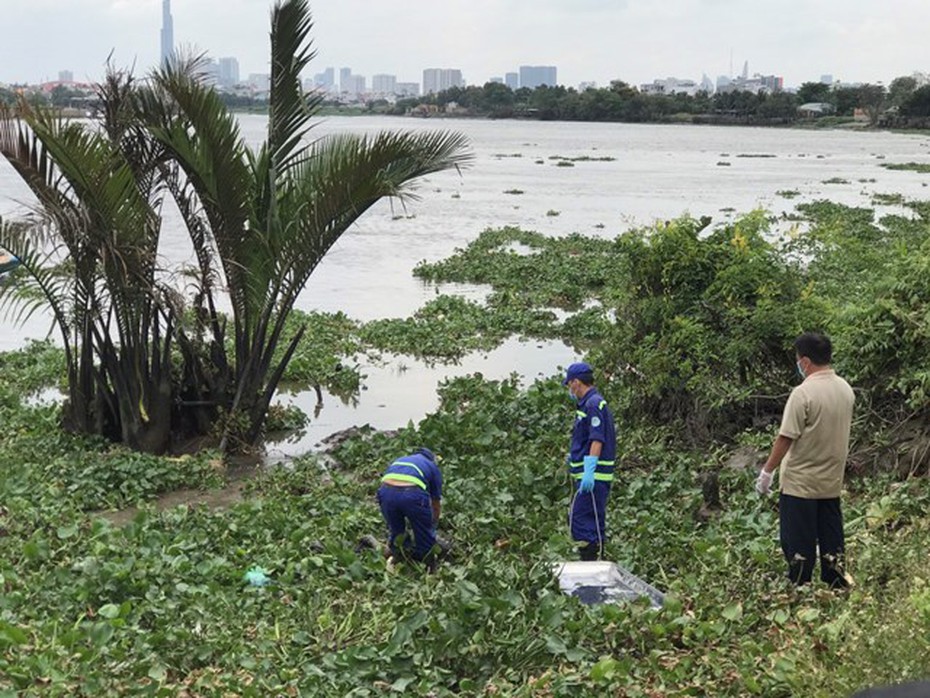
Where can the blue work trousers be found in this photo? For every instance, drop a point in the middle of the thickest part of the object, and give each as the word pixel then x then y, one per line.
pixel 401 506
pixel 589 510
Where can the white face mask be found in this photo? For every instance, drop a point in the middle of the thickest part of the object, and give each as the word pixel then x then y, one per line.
pixel 801 371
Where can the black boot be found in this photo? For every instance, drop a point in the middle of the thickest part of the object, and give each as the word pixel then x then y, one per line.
pixel 588 552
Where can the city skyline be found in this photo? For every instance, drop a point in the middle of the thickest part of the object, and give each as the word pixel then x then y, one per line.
pixel 588 40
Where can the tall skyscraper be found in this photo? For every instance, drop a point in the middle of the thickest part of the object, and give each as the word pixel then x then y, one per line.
pixel 439 79
pixel 384 84
pixel 167 33
pixel 228 71
pixel 345 77
pixel 512 80
pixel 533 76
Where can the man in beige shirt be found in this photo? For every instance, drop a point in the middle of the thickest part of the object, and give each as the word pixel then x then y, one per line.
pixel 811 448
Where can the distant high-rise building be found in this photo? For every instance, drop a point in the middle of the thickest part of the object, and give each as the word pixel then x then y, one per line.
pixel 707 85
pixel 826 79
pixel 439 79
pixel 587 85
pixel 745 74
pixel 344 75
pixel 533 76
pixel 353 85
pixel 512 80
pixel 383 84
pixel 65 76
pixel 496 80
pixel 326 80
pixel 167 33
pixel 211 71
pixel 227 73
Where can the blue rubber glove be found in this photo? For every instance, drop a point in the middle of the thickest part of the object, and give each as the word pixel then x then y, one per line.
pixel 587 478
pixel 257 577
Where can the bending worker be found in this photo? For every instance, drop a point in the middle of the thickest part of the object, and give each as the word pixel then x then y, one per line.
pixel 590 460
pixel 410 493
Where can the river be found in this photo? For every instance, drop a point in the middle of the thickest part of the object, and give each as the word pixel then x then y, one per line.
pixel 647 173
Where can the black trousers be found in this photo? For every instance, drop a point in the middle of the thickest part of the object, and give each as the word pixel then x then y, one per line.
pixel 805 525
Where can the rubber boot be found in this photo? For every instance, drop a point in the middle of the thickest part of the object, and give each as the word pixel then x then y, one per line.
pixel 588 552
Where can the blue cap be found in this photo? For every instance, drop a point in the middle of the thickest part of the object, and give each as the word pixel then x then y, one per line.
pixel 426 452
pixel 578 370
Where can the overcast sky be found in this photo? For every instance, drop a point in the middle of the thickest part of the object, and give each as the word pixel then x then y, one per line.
pixel 588 40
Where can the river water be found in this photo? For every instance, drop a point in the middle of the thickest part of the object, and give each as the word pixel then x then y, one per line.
pixel 656 172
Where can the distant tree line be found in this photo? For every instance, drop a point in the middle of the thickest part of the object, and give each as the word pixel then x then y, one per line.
pixel 902 103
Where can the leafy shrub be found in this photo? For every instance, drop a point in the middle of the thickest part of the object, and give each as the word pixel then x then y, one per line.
pixel 707 323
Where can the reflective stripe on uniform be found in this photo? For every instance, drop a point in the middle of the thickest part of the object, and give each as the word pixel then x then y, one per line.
pixel 420 481
pixel 606 477
pixel 405 478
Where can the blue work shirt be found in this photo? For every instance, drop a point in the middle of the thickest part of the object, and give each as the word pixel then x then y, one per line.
pixel 593 422
pixel 418 469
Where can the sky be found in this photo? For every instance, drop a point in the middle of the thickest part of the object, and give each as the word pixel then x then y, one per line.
pixel 587 40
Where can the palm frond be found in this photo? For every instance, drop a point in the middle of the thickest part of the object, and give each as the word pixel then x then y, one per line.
pixel 203 138
pixel 289 109
pixel 345 176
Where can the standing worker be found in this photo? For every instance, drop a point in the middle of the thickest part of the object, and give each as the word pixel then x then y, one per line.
pixel 590 460
pixel 410 493
pixel 812 446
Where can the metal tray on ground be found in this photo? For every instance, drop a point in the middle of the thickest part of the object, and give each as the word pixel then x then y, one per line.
pixel 602 581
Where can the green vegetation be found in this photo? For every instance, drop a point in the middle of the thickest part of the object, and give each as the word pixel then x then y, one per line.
pixel 901 105
pixel 690 327
pixel 912 166
pixel 887 199
pixel 583 158
pixel 145 366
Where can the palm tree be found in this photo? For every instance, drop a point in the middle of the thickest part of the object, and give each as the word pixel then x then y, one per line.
pixel 89 253
pixel 141 368
pixel 261 221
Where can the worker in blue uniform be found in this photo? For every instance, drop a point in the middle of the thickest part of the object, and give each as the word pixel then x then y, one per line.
pixel 409 497
pixel 591 461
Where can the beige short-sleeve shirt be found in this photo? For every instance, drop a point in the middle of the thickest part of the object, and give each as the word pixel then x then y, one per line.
pixel 817 418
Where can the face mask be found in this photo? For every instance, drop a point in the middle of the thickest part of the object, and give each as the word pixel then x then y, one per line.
pixel 571 396
pixel 800 370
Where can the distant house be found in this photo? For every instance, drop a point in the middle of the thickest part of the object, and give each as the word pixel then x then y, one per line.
pixel 815 109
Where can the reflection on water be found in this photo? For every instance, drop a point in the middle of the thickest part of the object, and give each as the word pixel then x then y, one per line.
pixel 403 389
pixel 657 173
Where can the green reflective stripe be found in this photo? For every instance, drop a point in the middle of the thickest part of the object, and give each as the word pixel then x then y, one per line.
pixel 405 478
pixel 601 404
pixel 607 477
pixel 605 462
pixel 580 414
pixel 578 463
